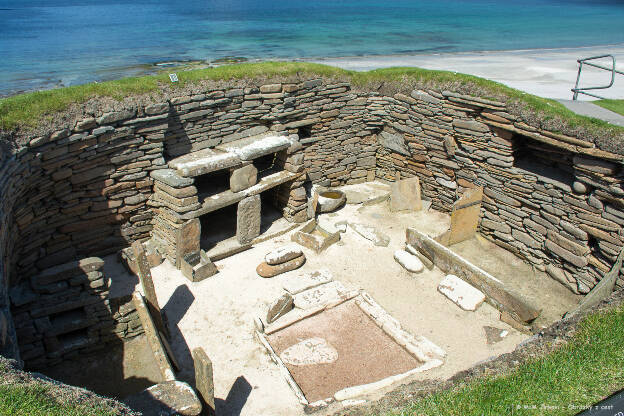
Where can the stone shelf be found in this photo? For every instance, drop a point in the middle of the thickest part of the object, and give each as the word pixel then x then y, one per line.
pixel 254 147
pixel 226 198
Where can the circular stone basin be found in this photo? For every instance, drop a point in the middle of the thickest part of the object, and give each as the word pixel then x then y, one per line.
pixel 331 200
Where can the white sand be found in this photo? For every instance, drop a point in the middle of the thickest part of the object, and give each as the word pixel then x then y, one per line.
pixel 547 73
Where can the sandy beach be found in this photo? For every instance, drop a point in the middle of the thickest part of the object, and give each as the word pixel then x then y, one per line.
pixel 549 73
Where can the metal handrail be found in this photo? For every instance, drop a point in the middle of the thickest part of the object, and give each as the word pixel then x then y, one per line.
pixel 576 90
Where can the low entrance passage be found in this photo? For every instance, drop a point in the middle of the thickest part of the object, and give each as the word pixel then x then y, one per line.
pixel 338 348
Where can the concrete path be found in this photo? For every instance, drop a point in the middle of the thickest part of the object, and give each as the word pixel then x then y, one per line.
pixel 589 109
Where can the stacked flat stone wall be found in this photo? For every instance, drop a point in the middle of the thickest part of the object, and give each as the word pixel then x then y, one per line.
pixel 66 311
pixel 87 189
pixel 554 200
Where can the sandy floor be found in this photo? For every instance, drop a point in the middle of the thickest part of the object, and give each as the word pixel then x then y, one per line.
pixel 547 73
pixel 217 314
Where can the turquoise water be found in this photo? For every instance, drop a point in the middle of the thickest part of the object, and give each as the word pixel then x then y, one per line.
pixel 44 44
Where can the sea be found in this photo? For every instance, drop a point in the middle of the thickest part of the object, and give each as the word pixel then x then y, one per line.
pixel 53 43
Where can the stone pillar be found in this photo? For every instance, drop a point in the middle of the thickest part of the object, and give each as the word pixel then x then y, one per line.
pixel 248 219
pixel 204 383
pixel 187 240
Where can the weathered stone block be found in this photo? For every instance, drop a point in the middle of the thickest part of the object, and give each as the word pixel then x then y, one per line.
pixel 243 178
pixel 197 266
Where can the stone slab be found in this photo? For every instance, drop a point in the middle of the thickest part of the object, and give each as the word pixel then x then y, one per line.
pixel 465 216
pixel 393 142
pixel 280 307
pixel 405 195
pixel 198 266
pixel 320 295
pixel 168 398
pixel 171 178
pixel 602 290
pixel 204 161
pixel 299 283
pixel 254 147
pixel 187 240
pixel 461 293
pixel 494 335
pixel 145 277
pixel 371 233
pixel 311 351
pixel 153 337
pixel 204 381
pixel 248 219
pixel 243 178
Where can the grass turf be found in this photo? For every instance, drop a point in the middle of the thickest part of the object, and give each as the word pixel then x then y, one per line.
pixel 617 106
pixel 578 374
pixel 36 400
pixel 26 110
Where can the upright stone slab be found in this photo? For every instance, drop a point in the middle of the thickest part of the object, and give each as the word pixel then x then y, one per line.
pixel 204 383
pixel 243 178
pixel 405 195
pixel 248 219
pixel 187 240
pixel 145 276
pixel 465 216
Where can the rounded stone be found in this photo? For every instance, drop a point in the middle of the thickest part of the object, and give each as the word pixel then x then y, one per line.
pixel 580 187
pixel 409 262
pixel 283 254
pixel 266 270
pixel 331 200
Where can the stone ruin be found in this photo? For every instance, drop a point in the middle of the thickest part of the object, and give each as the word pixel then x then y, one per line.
pixel 158 173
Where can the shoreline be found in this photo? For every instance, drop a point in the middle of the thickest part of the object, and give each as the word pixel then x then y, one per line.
pixel 545 72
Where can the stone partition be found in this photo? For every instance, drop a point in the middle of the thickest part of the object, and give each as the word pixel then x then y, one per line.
pixel 99 182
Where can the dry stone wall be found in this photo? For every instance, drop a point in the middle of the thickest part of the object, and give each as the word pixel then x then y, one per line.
pixel 88 189
pixel 555 200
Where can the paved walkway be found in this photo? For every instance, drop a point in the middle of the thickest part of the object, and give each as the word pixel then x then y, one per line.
pixel 587 108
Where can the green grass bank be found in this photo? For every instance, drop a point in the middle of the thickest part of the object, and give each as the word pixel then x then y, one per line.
pixel 573 376
pixel 26 110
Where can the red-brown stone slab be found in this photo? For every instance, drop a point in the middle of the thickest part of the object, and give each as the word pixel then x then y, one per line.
pixel 365 353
